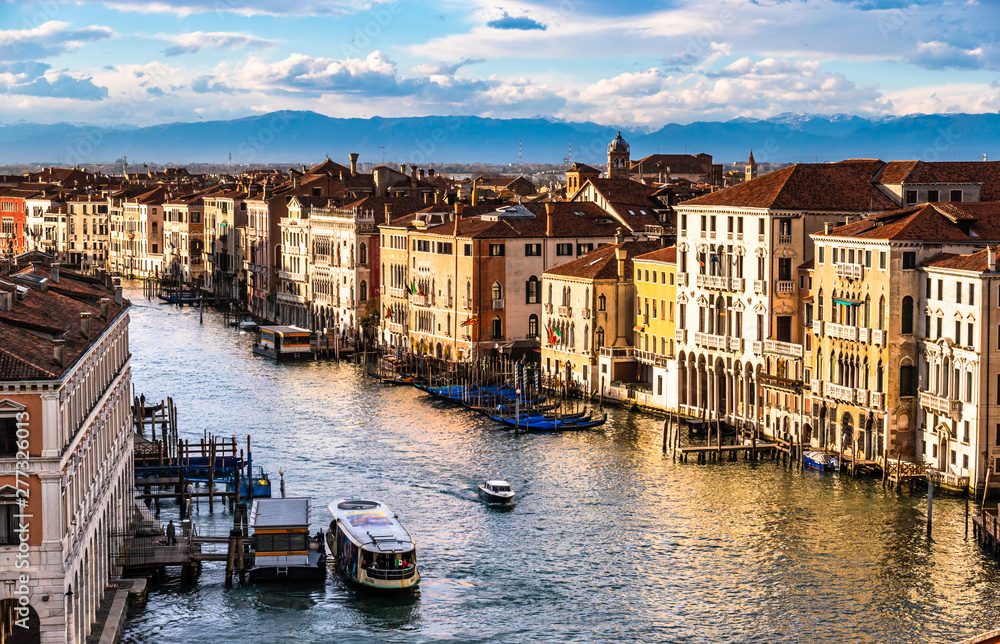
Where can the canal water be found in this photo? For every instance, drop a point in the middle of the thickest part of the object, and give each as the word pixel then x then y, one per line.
pixel 609 540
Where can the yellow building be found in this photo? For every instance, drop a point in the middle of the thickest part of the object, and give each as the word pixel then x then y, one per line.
pixel 655 326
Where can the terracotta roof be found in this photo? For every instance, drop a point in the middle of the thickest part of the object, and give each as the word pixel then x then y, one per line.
pixel 668 255
pixel 602 264
pixel 916 172
pixel 584 168
pixel 846 186
pixel 976 262
pixel 27 332
pixel 968 222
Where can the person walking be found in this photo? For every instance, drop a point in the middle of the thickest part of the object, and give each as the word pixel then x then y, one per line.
pixel 171 534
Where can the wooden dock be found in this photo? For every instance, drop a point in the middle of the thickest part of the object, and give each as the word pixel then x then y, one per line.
pixel 707 453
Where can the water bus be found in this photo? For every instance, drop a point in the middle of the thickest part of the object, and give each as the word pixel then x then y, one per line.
pixel 370 547
pixel 282 343
pixel 282 546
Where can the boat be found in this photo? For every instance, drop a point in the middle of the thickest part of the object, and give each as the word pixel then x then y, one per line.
pixel 370 547
pixel 496 491
pixel 282 546
pixel 248 325
pixel 543 424
pixel 822 461
pixel 260 481
pixel 282 343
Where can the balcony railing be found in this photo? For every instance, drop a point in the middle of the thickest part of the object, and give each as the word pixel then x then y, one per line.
pixel 838 392
pixel 617 352
pixel 466 303
pixel 760 287
pixel 565 311
pixel 783 348
pixel 682 279
pixel 681 335
pixel 498 305
pixel 842 332
pixel 940 405
pixel 850 271
pixel 717 282
pixel 784 240
pixel 875 400
pixel 878 337
pixel 816 385
pixel 736 283
pixel 585 313
pixel 863 334
pixel 818 327
pixel 548 308
pixel 784 286
pixel 736 344
pixel 651 358
pixel 710 341
pixel 861 397
pixel 420 300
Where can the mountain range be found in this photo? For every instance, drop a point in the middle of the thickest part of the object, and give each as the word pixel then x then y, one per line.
pixel 300 136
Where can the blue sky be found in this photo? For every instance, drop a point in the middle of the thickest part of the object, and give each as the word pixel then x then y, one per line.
pixel 636 64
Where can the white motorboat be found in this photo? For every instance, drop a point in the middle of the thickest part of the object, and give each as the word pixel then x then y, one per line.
pixel 496 492
pixel 248 325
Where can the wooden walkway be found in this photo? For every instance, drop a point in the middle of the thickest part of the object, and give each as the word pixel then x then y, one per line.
pixel 714 452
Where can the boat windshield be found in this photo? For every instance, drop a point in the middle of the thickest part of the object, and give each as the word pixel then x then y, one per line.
pixel 389 560
pixel 503 488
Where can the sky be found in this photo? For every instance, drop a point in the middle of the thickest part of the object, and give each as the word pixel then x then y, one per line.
pixel 639 63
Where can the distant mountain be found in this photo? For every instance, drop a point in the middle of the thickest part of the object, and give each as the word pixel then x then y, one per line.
pixel 290 136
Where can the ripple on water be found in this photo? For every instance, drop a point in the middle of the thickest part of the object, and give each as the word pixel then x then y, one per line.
pixel 609 541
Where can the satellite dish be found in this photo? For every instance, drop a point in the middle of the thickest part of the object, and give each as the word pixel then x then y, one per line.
pixel 985 157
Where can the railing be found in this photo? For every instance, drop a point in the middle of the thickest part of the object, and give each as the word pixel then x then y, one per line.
pixel 710 341
pixel 712 281
pixel 838 392
pixel 818 327
pixel 849 271
pixel 649 357
pixel 760 287
pixel 784 286
pixel 565 311
pixel 466 303
pixel 940 405
pixel 736 344
pixel 736 283
pixel 681 335
pixel 498 305
pixel 784 240
pixel 861 397
pixel 391 573
pixel 682 279
pixel 878 337
pixel 863 334
pixel 548 308
pixel 875 400
pixel 420 300
pixel 618 352
pixel 816 386
pixel 758 348
pixel 842 332
pixel 585 313
pixel 784 348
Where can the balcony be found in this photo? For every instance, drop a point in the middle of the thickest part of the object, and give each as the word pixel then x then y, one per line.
pixel 861 397
pixel 864 333
pixel 466 303
pixel 681 335
pixel 940 405
pixel 736 283
pixel 548 308
pixel 818 327
pixel 585 313
pixel 736 344
pixel 783 348
pixel 682 280
pixel 760 287
pixel 784 240
pixel 816 386
pixel 498 305
pixel 784 287
pixel 650 358
pixel 878 337
pixel 758 348
pixel 565 311
pixel 838 392
pixel 875 400
pixel 850 271
pixel 716 282
pixel 710 341
pixel 617 352
pixel 420 300
pixel 842 332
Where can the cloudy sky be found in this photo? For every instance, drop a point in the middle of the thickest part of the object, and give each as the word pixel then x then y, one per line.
pixel 638 63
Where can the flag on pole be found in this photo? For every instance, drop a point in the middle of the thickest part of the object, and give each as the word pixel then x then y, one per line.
pixel 473 320
pixel 388 313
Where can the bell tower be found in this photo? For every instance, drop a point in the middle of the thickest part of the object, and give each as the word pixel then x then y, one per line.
pixel 618 158
pixel 750 172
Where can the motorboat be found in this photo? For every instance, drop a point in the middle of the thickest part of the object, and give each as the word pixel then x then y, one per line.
pixel 282 546
pixel 822 461
pixel 496 492
pixel 370 546
pixel 248 325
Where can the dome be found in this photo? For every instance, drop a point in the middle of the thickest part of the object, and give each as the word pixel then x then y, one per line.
pixel 618 145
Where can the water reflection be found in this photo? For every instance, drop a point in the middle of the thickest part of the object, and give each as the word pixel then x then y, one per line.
pixel 609 540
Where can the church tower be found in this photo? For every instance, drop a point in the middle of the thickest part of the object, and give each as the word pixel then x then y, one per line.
pixel 750 172
pixel 618 158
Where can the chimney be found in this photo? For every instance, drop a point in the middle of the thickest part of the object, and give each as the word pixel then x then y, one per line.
pixel 58 352
pixel 295 180
pixel 104 308
pixel 354 163
pixel 388 213
pixel 550 210
pixel 427 198
pixel 458 210
pixel 420 173
pixel 620 254
pixel 619 237
pixel 6 300
pixel 990 259
pixel 85 325
pixel 413 176
pixel 55 272
pixel 430 172
pixel 402 168
pixel 827 225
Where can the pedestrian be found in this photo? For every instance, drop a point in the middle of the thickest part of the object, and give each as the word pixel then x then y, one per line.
pixel 171 534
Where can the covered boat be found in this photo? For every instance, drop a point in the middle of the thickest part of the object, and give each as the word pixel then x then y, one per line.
pixel 819 460
pixel 282 547
pixel 370 546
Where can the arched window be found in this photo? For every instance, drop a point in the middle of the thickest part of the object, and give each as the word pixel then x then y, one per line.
pixel 497 327
pixel 532 326
pixel 550 294
pixel 906 321
pixel 533 291
pixel 602 303
pixel 879 377
pixel 363 291
pixel 599 338
pixel 468 293
pixel 586 337
pixel 363 253
pixel 497 291
pixel 819 305
pixel 881 314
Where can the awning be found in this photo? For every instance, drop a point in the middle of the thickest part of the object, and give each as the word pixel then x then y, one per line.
pixel 807 298
pixel 638 328
pixel 847 302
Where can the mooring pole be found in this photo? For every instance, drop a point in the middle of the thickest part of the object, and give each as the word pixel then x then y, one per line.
pixel 930 503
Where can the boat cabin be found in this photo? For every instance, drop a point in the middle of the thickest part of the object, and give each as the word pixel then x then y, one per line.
pixel 281 541
pixel 371 547
pixel 284 343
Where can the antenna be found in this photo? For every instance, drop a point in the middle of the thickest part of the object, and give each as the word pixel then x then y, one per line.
pixel 382 147
pixel 520 157
pixel 985 157
pixel 568 159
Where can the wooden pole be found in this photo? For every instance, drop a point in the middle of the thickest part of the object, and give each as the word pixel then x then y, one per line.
pixel 666 424
pixel 930 503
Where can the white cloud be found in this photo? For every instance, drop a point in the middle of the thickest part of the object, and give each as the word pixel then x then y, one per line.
pixel 186 8
pixel 48 39
pixel 195 41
